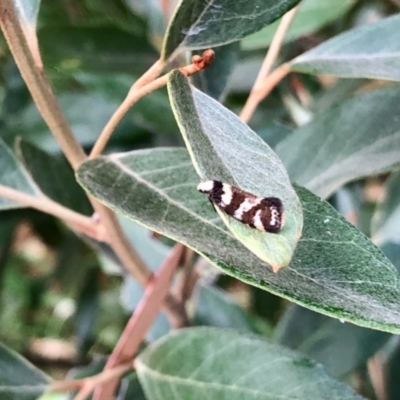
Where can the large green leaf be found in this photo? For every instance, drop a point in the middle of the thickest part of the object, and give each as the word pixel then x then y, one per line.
pixel 198 24
pixel 19 380
pixel 386 221
pixel 360 137
pixel 369 51
pixel 311 16
pixel 229 365
pixel 335 270
pixel 13 175
pixel 225 149
pixel 326 340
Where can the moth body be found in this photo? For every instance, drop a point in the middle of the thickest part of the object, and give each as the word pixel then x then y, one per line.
pixel 262 213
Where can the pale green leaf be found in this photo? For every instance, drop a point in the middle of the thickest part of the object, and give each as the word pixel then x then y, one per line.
pixel 192 363
pixel 19 380
pixel 311 16
pixel 27 11
pixel 386 221
pixel 358 138
pixel 225 149
pixel 13 175
pixel 335 270
pixel 369 51
pixel 199 24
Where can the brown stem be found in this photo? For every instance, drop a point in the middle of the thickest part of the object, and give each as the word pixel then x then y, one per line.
pixel 270 58
pixel 81 223
pixel 46 102
pixel 267 86
pixel 141 319
pixel 137 92
pixel 38 85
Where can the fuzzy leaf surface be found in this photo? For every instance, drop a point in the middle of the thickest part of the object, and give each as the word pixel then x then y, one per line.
pixel 225 149
pixel 346 142
pixel 231 365
pixel 335 270
pixel 368 51
pixel 199 24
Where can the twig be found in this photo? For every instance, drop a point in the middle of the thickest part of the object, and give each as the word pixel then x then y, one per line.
pixel 87 385
pixel 376 372
pixel 267 86
pixel 152 73
pixel 184 284
pixel 141 319
pixel 136 93
pixel 80 222
pixel 38 85
pixel 117 239
pixel 270 58
pixel 46 102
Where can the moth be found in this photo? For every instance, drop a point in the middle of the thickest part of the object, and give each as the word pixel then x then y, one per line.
pixel 262 213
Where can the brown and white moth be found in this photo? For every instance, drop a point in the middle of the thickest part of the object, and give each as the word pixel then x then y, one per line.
pixel 262 213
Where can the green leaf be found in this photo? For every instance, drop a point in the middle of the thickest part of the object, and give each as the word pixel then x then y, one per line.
pixel 386 220
pixel 217 308
pixel 221 146
pixel 102 49
pixel 13 175
pixel 335 270
pixel 326 340
pixel 345 143
pixel 19 380
pixel 311 16
pixel 54 177
pixel 369 51
pixel 199 24
pixel 226 364
pixel 213 80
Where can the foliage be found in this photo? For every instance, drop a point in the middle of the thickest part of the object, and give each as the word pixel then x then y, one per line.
pixel 107 247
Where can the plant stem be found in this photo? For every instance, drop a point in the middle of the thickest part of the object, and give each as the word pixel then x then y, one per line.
pixel 80 222
pixel 270 58
pixel 138 91
pixel 38 85
pixel 46 102
pixel 267 86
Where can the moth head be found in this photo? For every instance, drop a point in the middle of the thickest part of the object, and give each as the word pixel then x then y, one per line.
pixel 205 187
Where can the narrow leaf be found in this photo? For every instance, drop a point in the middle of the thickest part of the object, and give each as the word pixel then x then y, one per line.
pixel 335 270
pixel 19 380
pixel 311 16
pixel 345 143
pixel 13 175
pixel 386 221
pixel 369 51
pixel 225 149
pixel 198 24
pixel 229 365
